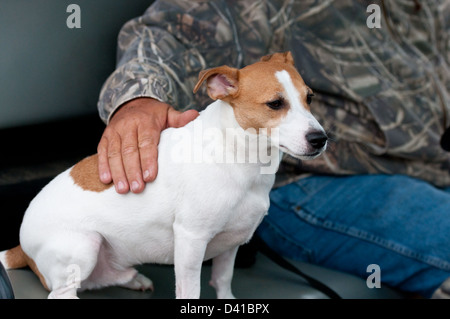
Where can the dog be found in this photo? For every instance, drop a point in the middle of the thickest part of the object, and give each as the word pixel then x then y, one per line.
pixel 193 211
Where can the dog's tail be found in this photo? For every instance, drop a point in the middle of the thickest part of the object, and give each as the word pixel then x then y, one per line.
pixel 13 258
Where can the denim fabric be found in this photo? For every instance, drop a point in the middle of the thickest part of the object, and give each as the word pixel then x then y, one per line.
pixel 347 223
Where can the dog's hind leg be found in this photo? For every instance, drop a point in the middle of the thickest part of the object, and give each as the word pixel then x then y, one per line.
pixel 67 261
pixel 111 271
pixel 138 282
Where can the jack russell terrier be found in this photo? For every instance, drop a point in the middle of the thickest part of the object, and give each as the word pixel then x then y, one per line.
pixel 192 212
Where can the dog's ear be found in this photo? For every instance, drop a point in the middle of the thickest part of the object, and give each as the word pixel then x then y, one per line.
pixel 285 57
pixel 221 82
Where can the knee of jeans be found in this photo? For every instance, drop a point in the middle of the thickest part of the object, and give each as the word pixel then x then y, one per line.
pixel 281 241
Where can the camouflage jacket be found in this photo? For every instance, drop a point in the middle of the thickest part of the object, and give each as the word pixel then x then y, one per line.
pixel 382 93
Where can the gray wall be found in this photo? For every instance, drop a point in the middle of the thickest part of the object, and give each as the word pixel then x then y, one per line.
pixel 50 72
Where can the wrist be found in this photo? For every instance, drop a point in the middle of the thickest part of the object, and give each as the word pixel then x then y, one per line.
pixel 139 104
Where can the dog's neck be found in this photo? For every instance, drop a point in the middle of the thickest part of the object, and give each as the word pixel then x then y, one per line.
pixel 220 132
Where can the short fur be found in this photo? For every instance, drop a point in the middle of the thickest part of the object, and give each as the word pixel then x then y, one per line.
pixel 190 213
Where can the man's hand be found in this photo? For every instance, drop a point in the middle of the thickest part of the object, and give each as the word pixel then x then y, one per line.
pixel 128 149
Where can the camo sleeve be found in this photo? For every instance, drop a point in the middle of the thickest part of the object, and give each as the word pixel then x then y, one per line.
pixel 382 93
pixel 161 53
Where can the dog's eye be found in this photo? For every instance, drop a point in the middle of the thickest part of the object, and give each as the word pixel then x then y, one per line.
pixel 276 104
pixel 309 98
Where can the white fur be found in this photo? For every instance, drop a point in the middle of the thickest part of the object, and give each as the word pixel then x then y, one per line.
pixel 297 123
pixel 3 258
pixel 190 213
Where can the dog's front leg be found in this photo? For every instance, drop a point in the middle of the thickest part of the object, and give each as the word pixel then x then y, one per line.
pixel 222 273
pixel 188 256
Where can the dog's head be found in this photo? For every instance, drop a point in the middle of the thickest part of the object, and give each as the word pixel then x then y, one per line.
pixel 270 94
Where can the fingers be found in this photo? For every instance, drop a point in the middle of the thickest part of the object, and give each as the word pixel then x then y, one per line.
pixel 103 164
pixel 178 119
pixel 148 140
pixel 110 163
pixel 129 160
pixel 131 163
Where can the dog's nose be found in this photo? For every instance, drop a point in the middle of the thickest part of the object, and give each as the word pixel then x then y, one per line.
pixel 317 139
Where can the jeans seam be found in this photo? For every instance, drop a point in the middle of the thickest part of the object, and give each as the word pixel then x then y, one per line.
pixel 371 238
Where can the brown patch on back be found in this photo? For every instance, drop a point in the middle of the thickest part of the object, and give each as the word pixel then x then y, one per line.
pixel 85 174
pixel 16 258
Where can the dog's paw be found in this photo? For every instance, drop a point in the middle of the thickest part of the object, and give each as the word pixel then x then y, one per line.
pixel 139 282
pixel 443 292
pixel 228 295
pixel 63 293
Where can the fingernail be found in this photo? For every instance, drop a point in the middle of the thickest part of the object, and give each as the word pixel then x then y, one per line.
pixel 104 177
pixel 121 186
pixel 134 186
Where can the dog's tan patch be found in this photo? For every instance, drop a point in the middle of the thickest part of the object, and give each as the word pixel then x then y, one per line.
pixel 35 269
pixel 257 86
pixel 85 174
pixel 16 258
pixel 250 89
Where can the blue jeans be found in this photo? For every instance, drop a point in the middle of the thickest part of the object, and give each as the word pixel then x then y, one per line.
pixel 347 223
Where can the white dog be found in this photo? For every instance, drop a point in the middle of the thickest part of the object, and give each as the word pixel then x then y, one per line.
pixel 193 211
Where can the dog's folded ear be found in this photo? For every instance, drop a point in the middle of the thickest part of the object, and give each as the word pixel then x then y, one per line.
pixel 284 57
pixel 222 82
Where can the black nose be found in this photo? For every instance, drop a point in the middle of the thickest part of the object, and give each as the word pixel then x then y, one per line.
pixel 317 139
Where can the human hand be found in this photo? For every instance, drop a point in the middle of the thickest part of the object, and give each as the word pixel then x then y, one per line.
pixel 128 148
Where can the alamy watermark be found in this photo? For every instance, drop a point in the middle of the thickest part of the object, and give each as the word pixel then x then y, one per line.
pixel 199 144
pixel 73 21
pixel 374 19
pixel 74 276
pixel 374 279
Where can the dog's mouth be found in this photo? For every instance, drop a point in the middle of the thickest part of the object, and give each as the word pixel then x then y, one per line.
pixel 303 156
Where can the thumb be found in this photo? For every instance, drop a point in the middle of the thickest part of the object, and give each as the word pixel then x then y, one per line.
pixel 178 119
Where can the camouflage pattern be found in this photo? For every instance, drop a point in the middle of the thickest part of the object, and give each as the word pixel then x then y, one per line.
pixel 381 93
